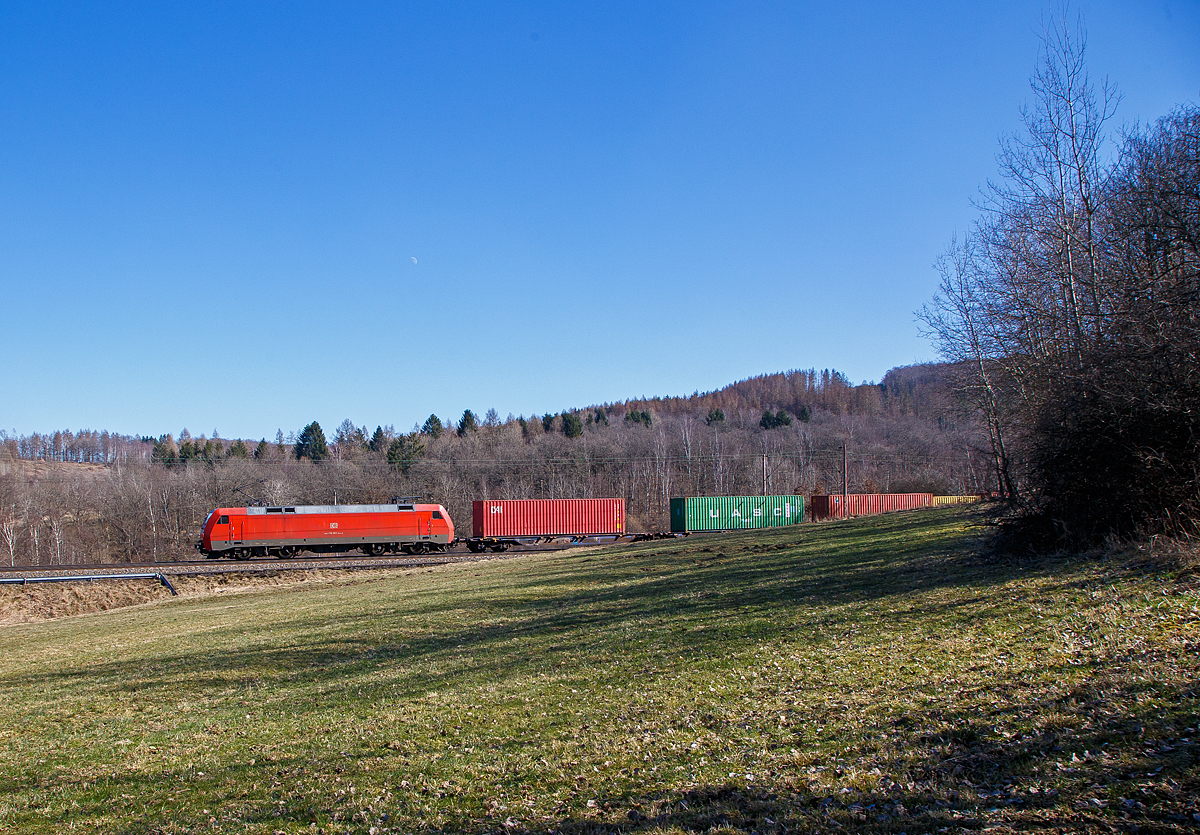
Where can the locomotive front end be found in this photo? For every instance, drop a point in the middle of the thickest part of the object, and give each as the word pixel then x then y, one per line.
pixel 216 532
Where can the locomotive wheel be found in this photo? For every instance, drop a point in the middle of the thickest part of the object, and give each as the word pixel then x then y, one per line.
pixel 375 549
pixel 241 553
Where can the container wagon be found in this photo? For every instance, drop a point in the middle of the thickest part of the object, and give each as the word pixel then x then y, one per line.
pixel 498 524
pixel 732 513
pixel 375 529
pixel 837 506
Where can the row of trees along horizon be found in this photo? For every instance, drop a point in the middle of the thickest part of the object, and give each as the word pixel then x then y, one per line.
pixel 403 451
pixel 777 433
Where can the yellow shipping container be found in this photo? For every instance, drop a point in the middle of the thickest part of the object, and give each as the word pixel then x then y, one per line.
pixel 941 500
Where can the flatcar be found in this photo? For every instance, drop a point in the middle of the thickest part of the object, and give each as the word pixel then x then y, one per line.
pixel 374 529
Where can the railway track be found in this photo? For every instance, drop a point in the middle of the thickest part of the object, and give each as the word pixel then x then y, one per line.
pixel 261 564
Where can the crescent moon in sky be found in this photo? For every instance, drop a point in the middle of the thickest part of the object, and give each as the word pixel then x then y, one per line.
pixel 414 258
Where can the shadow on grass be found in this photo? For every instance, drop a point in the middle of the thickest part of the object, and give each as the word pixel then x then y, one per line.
pixel 1116 761
pixel 740 587
pixel 1117 757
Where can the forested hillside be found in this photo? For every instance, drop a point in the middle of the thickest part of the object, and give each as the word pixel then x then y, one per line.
pixel 78 497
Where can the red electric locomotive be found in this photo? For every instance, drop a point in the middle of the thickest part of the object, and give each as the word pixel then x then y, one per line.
pixel 375 529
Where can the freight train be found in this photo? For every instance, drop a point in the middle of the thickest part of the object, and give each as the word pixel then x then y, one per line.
pixel 497 525
pixel 245 532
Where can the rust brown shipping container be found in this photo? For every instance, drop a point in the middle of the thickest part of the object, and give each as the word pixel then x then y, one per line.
pixel 866 504
pixel 547 517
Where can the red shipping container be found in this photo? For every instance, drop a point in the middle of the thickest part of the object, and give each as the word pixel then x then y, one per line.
pixel 547 517
pixel 866 504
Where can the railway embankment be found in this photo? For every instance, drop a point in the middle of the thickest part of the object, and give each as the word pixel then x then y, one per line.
pixel 37 601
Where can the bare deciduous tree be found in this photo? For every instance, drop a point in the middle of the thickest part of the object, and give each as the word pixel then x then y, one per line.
pixel 1070 311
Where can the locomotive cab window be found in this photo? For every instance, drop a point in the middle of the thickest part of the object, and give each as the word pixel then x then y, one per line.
pixel 224 520
pixel 437 514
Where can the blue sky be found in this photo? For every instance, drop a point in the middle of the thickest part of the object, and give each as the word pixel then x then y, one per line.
pixel 209 213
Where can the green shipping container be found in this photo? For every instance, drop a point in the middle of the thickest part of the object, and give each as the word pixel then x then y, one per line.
pixel 732 513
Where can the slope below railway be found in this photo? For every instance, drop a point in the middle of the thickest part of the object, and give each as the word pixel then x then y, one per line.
pixel 49 592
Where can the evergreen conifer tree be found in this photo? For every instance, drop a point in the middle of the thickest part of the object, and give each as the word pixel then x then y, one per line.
pixel 467 423
pixel 405 451
pixel 572 426
pixel 164 451
pixel 311 443
pixel 378 441
pixel 433 427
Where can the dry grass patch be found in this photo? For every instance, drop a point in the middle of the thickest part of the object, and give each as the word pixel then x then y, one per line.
pixel 38 602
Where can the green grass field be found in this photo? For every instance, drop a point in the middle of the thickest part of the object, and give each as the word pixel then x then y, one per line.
pixel 875 676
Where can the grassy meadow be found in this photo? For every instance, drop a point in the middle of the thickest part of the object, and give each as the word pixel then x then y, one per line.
pixel 878 675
